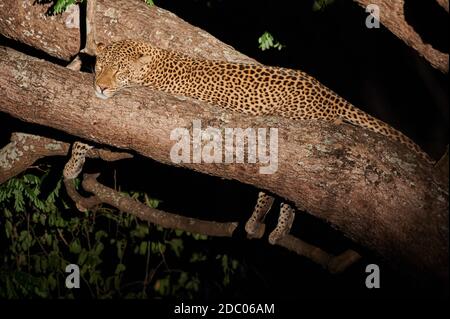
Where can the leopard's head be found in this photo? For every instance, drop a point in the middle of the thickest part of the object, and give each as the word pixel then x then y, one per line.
pixel 119 65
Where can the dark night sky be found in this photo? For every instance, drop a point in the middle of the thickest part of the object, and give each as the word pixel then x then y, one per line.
pixel 369 67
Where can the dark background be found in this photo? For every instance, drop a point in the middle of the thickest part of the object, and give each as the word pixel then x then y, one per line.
pixel 369 67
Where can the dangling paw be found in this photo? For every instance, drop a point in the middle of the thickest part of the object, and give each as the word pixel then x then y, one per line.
pixel 285 221
pixel 255 227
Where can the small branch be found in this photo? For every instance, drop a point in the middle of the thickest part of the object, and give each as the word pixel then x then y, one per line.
pixel 443 4
pixel 341 262
pixel 107 155
pixel 90 45
pixel 304 249
pixel 392 17
pixel 334 264
pixel 155 216
pixel 24 150
pixel 83 204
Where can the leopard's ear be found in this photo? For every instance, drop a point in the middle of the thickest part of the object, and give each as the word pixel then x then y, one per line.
pixel 99 47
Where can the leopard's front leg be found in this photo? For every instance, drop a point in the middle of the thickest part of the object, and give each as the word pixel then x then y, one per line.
pixel 75 164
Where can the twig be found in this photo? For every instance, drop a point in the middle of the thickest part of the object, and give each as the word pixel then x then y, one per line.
pixel 443 4
pixel 155 216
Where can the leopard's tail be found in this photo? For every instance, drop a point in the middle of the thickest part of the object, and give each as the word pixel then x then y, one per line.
pixel 357 117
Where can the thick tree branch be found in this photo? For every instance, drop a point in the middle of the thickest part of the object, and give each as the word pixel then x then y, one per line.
pixel 377 192
pixel 28 22
pixel 392 17
pixel 114 20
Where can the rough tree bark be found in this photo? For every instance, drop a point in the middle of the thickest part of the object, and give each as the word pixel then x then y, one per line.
pixel 377 192
pixel 59 36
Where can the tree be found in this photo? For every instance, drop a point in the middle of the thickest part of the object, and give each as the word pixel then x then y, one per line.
pixel 142 124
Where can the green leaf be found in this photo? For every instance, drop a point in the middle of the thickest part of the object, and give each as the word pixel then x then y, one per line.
pixel 98 249
pixel 140 232
pixel 177 246
pixel 179 232
pixel 149 2
pixel 48 239
pixel 143 248
pixel 157 247
pixel 7 213
pixel 51 220
pixel 61 5
pixel 59 222
pixel 197 257
pixel 193 284
pixel 82 257
pixel 120 268
pixel 75 247
pixel 44 264
pixel 8 229
pixel 267 41
pixel 51 282
pixel 121 244
pixel 225 263
pixel 320 5
pixel 199 236
pixel 100 234
pixel 151 202
pixel 42 218
pixel 19 203
pixel 162 286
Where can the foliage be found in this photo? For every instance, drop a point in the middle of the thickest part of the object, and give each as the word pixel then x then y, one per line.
pixel 266 41
pixel 119 256
pixel 320 5
pixel 61 5
pixel 149 2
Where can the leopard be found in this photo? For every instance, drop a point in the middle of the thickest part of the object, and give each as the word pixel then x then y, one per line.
pixel 248 88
